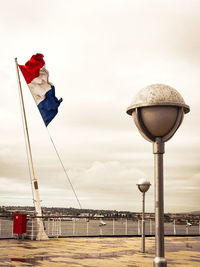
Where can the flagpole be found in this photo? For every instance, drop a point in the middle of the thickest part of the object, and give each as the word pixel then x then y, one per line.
pixel 41 235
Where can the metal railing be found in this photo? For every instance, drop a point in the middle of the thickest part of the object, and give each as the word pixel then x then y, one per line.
pixel 64 226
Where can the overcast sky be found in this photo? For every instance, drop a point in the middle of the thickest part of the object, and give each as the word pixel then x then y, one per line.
pixel 99 55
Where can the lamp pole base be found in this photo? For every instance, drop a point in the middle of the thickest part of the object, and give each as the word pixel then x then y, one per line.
pixel 159 262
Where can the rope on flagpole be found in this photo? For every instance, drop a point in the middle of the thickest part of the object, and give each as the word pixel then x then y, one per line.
pixel 67 176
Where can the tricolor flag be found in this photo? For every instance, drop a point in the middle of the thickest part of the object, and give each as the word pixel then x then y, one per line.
pixel 42 90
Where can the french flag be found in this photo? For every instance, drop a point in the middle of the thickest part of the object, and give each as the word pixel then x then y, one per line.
pixel 43 92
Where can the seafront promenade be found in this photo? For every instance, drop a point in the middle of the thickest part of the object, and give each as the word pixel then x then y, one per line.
pixel 97 252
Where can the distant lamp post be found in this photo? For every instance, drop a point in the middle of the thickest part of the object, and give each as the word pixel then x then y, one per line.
pixel 143 186
pixel 158 111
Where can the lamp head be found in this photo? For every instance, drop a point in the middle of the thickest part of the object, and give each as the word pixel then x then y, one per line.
pixel 143 185
pixel 158 111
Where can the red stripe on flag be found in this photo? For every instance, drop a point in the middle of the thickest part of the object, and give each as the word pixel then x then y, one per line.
pixel 32 67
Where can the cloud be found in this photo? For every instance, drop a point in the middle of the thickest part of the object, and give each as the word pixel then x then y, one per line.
pixel 99 54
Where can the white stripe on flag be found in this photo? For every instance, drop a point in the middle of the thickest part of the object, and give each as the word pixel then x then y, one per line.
pixel 40 85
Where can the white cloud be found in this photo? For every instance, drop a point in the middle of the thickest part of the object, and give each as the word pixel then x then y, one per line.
pixel 99 54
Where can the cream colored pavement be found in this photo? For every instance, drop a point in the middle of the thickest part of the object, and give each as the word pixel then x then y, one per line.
pixel 97 252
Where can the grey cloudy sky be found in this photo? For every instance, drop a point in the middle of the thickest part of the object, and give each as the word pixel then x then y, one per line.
pixel 99 54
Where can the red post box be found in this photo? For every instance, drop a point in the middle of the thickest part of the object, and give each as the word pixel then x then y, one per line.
pixel 19 223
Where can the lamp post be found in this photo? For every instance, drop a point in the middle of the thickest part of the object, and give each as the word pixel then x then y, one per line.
pixel 158 111
pixel 143 186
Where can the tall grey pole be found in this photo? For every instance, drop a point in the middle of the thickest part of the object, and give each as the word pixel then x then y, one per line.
pixel 158 150
pixel 149 109
pixel 143 222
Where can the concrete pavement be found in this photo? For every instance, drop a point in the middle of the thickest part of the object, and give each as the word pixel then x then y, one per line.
pixel 97 252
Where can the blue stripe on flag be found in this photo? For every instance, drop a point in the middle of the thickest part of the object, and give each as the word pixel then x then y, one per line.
pixel 49 106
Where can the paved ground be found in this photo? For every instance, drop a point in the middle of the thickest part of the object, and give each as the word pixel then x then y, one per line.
pixel 97 252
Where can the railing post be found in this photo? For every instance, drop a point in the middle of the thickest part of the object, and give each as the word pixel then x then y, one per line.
pixel 53 227
pixel 56 227
pixel 87 226
pixel 48 226
pixel 113 226
pixel 139 227
pixel 174 227
pixel 11 228
pixel 73 226
pixel 186 228
pixel 126 227
pixel 100 228
pixel 51 224
pixel 32 228
pixel 60 227
pixel 0 228
pixel 150 225
pixel 199 227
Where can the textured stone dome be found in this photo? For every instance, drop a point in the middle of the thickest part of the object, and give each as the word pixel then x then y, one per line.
pixel 158 95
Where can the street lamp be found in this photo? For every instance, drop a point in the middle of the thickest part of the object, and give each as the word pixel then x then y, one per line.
pixel 143 186
pixel 158 111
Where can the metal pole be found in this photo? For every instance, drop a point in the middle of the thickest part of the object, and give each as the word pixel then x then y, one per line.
pixel 41 235
pixel 158 150
pixel 143 222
